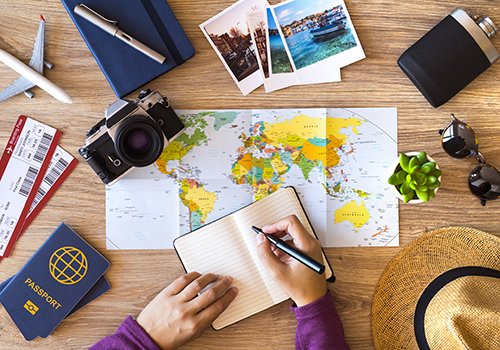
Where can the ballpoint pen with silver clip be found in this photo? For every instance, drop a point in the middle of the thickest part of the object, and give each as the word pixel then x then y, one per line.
pixel 110 27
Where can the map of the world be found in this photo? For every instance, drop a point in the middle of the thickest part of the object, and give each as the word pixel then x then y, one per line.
pixel 336 159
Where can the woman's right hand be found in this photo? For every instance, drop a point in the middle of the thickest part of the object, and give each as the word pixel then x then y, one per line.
pixel 295 279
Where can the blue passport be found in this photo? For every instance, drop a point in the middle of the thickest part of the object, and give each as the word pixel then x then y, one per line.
pixel 56 281
pixel 151 22
pixel 101 287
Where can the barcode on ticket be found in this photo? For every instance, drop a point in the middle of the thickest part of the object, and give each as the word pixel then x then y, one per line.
pixel 28 181
pixel 56 171
pixel 60 162
pixel 39 195
pixel 43 148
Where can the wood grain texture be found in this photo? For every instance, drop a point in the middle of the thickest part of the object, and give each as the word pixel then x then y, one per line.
pixel 385 28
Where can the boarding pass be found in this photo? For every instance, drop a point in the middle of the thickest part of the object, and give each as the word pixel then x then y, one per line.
pixel 61 165
pixel 23 165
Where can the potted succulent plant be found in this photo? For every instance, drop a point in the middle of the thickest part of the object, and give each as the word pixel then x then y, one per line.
pixel 415 177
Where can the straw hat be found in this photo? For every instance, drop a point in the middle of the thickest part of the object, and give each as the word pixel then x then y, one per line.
pixel 442 291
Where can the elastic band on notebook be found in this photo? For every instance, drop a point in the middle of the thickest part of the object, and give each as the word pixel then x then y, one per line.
pixel 167 39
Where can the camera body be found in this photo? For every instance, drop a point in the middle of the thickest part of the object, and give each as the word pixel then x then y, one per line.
pixel 132 134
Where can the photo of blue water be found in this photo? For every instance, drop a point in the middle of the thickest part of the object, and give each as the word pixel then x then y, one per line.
pixel 279 58
pixel 306 50
pixel 280 63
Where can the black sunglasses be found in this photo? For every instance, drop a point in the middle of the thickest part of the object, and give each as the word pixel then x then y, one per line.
pixel 459 141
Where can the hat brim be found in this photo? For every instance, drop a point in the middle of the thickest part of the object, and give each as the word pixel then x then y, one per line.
pixel 410 272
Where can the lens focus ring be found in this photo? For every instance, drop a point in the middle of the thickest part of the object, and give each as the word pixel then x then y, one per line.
pixel 139 141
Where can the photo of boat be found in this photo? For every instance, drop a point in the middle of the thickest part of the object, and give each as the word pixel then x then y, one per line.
pixel 335 27
pixel 316 31
pixel 332 22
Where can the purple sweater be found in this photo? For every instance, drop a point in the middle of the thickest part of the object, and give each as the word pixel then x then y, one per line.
pixel 318 328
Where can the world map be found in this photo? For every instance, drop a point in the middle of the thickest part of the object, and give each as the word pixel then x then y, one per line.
pixel 336 159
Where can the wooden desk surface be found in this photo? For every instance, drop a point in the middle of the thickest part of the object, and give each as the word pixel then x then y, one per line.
pixel 385 27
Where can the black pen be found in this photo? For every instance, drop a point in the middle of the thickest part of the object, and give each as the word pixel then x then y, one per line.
pixel 293 252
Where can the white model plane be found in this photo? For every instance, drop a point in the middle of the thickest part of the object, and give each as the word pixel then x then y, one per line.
pixel 32 75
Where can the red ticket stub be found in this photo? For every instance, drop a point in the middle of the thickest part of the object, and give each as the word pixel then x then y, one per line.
pixel 61 165
pixel 23 165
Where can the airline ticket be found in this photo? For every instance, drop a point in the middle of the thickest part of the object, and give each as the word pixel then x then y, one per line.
pixel 23 165
pixel 61 165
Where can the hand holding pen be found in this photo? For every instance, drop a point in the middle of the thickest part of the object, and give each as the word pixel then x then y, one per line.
pixel 298 281
pixel 305 259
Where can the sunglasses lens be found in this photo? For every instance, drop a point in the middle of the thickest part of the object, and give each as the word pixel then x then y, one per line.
pixel 484 182
pixel 459 140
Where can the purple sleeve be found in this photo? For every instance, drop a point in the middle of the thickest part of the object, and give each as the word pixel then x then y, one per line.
pixel 129 336
pixel 319 326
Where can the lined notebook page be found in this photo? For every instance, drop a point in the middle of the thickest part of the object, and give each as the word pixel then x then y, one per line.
pixel 220 249
pixel 267 210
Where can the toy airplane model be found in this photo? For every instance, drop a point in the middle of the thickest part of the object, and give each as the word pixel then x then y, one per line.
pixel 32 75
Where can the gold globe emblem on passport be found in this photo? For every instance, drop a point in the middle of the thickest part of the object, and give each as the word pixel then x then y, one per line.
pixel 68 265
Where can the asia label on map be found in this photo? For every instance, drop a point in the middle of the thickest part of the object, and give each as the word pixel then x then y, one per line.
pixel 336 159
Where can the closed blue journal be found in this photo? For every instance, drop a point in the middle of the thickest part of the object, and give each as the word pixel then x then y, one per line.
pixel 151 22
pixel 58 279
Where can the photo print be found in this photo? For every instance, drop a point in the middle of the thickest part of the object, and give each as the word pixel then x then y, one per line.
pixel 257 26
pixel 319 36
pixel 231 39
pixel 281 69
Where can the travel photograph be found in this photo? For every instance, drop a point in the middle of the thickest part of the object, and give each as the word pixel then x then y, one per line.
pixel 257 25
pixel 230 36
pixel 279 58
pixel 315 30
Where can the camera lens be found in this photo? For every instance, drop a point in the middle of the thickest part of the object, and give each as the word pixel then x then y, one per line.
pixel 139 141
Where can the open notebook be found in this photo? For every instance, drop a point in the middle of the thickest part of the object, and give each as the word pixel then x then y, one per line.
pixel 228 247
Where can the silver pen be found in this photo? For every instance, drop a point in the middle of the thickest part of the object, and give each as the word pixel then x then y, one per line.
pixel 111 28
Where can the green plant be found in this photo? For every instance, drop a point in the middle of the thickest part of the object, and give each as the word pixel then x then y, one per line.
pixel 416 176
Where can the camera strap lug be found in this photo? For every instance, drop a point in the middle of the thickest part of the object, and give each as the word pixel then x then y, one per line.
pixel 165 101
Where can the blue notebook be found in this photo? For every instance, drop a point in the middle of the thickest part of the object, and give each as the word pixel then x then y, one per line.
pixel 58 278
pixel 151 22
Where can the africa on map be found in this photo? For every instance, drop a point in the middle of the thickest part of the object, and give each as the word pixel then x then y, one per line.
pixel 336 159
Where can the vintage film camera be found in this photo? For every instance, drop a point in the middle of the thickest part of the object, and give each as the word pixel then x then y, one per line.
pixel 132 134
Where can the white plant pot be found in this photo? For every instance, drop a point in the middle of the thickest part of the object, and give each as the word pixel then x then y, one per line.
pixel 393 167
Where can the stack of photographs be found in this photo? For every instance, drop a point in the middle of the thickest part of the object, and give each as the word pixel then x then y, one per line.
pixel 295 42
